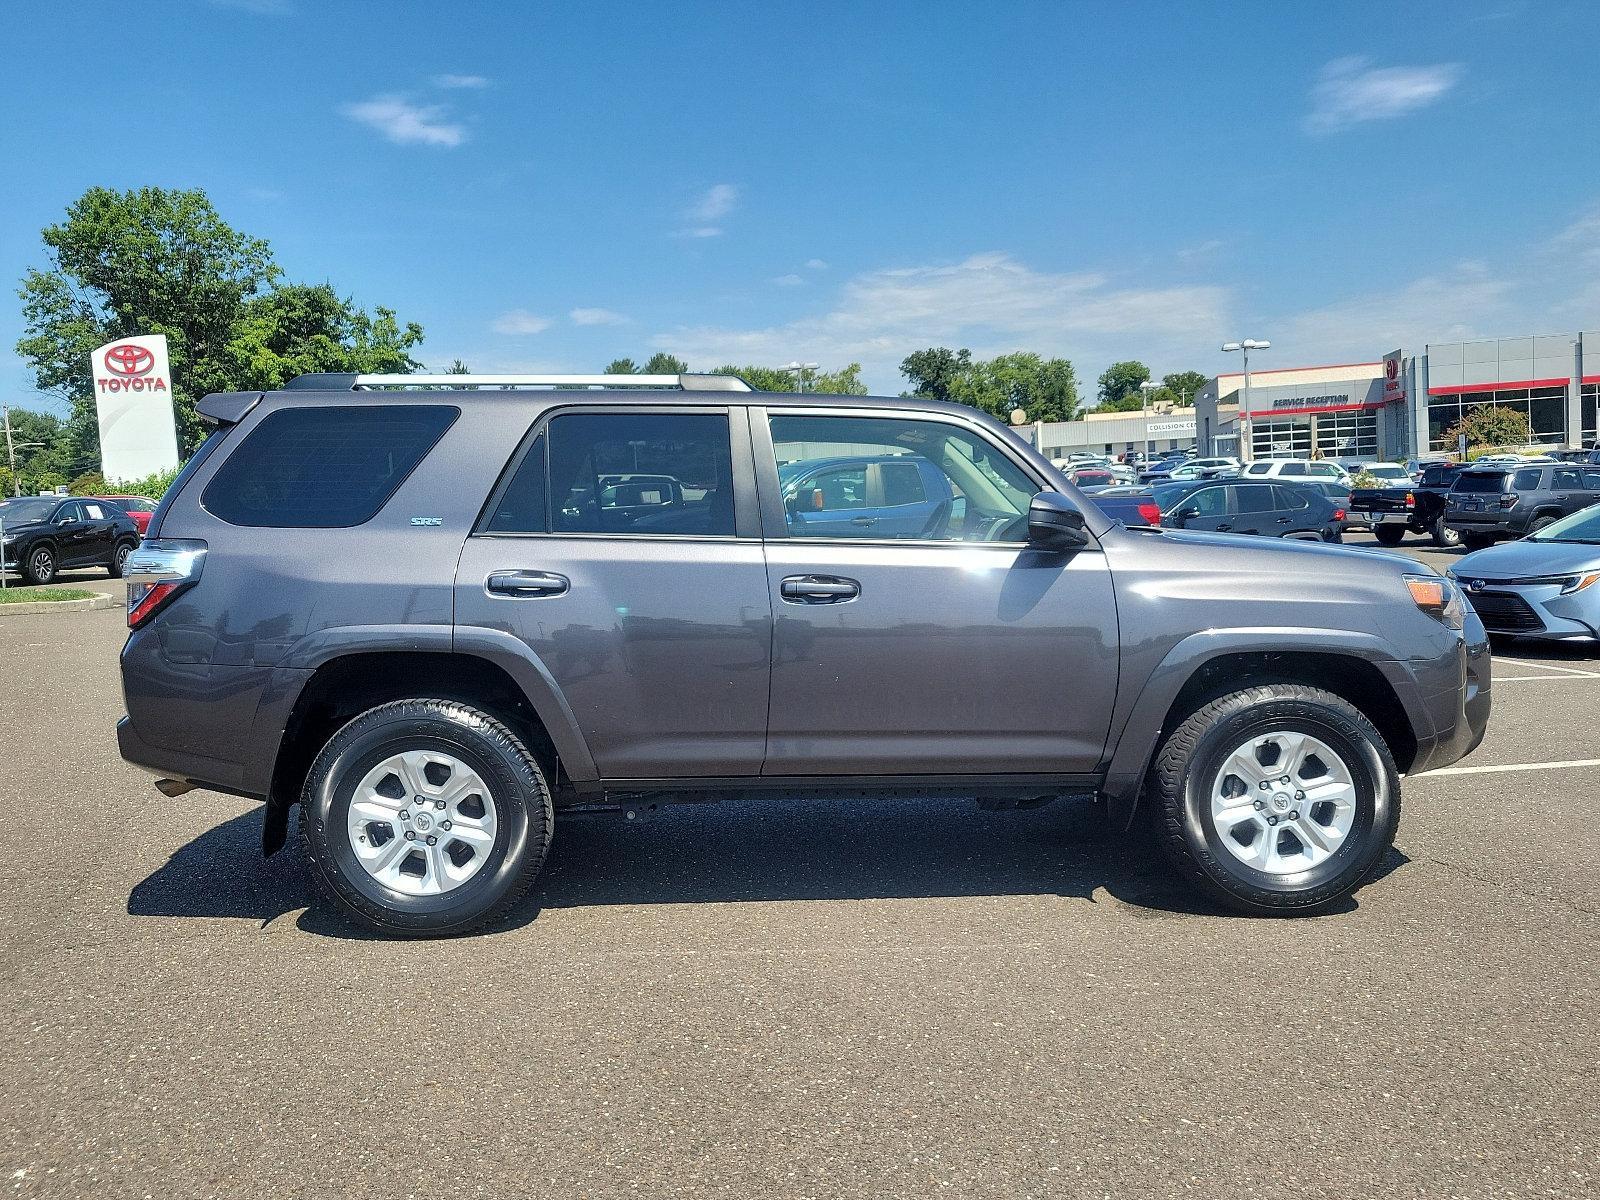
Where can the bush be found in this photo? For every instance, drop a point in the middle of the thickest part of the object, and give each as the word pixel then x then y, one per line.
pixel 153 486
pixel 90 483
pixel 48 482
pixel 1488 426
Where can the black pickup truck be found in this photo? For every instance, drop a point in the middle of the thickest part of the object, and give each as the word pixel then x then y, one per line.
pixel 1392 511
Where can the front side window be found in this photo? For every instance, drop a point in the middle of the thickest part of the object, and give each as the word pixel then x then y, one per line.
pixel 324 468
pixel 897 479
pixel 661 474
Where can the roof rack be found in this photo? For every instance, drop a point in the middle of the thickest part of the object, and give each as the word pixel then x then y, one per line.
pixel 342 382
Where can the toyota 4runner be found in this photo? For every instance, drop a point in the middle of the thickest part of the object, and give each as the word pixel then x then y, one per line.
pixel 437 617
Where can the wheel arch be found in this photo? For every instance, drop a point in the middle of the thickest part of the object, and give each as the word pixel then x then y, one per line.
pixel 340 686
pixel 1198 669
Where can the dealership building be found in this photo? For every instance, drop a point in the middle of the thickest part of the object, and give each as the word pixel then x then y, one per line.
pixel 1397 406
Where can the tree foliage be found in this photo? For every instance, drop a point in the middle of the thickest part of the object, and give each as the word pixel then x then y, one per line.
pixel 1044 389
pixel 1185 385
pixel 160 261
pixel 1489 426
pixel 844 382
pixel 1118 386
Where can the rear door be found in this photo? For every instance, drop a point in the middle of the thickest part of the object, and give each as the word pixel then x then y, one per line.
pixel 1255 509
pixel 101 531
pixel 1567 482
pixel 623 549
pixel 959 652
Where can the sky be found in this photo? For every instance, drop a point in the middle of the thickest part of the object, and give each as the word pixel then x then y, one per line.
pixel 549 186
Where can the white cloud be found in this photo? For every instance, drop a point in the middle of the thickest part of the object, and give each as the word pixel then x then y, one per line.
pixel 460 81
pixel 816 264
pixel 1350 91
pixel 596 316
pixel 703 217
pixel 789 280
pixel 989 302
pixel 1200 250
pixel 403 122
pixel 520 320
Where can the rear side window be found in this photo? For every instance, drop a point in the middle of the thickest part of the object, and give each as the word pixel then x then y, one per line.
pixel 1255 497
pixel 324 468
pixel 1291 497
pixel 1293 468
pixel 641 473
pixel 902 484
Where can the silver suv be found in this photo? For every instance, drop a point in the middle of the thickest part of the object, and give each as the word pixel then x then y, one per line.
pixel 437 613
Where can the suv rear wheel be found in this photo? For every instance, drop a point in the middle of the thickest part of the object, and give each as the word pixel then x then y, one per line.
pixel 425 817
pixel 1276 800
pixel 1444 536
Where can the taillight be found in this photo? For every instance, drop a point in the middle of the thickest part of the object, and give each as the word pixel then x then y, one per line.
pixel 157 572
pixel 1150 512
pixel 1338 514
pixel 1411 500
pixel 1509 500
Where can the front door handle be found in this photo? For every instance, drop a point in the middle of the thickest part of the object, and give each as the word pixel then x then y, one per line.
pixel 863 520
pixel 818 589
pixel 527 583
pixel 1283 520
pixel 1224 528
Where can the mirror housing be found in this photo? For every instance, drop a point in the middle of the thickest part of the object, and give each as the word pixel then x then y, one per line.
pixel 1054 523
pixel 1187 513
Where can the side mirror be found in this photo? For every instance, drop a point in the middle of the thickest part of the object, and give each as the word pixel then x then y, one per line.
pixel 1187 513
pixel 1054 523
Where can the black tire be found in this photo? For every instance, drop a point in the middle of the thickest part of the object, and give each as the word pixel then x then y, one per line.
pixel 522 805
pixel 1477 541
pixel 1188 763
pixel 119 559
pixel 1541 523
pixel 1389 535
pixel 40 567
pixel 1444 536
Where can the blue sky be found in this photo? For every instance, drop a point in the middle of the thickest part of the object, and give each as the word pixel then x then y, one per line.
pixel 551 185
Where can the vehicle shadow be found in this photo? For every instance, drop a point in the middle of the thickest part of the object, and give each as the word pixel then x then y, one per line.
pixel 753 849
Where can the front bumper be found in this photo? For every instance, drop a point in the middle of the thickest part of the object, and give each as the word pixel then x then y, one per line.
pixel 1535 610
pixel 1459 708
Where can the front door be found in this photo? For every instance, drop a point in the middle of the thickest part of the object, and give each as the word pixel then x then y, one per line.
pixel 951 649
pixel 1206 509
pixel 619 552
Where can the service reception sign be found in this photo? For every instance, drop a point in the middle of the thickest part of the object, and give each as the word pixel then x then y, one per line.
pixel 133 399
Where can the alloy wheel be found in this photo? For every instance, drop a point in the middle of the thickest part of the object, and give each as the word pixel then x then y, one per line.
pixel 422 822
pixel 1283 802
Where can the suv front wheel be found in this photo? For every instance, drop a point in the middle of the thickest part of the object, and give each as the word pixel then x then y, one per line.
pixel 1276 800
pixel 425 817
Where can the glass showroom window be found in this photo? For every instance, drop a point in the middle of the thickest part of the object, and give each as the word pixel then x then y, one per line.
pixel 1284 438
pixel 1348 434
pixel 1589 400
pixel 1543 412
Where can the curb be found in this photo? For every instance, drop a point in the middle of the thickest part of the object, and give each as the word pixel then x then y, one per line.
pixel 44 606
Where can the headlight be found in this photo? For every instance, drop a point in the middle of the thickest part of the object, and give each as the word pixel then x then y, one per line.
pixel 1578 583
pixel 1439 598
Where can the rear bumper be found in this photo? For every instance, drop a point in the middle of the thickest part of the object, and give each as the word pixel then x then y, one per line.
pixel 210 773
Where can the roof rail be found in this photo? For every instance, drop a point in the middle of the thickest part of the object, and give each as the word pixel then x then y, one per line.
pixel 342 382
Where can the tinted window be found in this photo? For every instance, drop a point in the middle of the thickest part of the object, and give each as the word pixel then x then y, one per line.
pixel 1591 480
pixel 1438 476
pixel 1293 497
pixel 1255 498
pixel 1293 468
pixel 522 504
pixel 641 473
pixel 1480 481
pixel 1565 480
pixel 1209 502
pixel 324 468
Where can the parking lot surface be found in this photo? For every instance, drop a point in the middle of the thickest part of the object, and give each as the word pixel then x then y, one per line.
pixel 796 999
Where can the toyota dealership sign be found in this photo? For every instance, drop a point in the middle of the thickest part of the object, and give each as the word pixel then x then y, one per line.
pixel 133 399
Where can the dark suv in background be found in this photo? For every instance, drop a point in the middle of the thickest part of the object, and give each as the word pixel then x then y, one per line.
pixel 44 535
pixel 1486 504
pixel 435 619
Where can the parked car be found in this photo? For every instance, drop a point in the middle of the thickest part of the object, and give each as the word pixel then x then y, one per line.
pixel 1204 468
pixel 1249 507
pixel 1132 504
pixel 1542 586
pixel 1092 477
pixel 1486 504
pixel 900 497
pixel 1294 468
pixel 418 613
pixel 1340 497
pixel 1392 512
pixel 1161 471
pixel 140 508
pixel 45 534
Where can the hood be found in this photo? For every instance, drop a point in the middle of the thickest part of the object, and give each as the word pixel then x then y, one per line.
pixel 20 527
pixel 1519 560
pixel 1267 546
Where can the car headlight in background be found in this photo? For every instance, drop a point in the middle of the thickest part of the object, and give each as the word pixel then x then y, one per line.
pixel 1576 583
pixel 1439 598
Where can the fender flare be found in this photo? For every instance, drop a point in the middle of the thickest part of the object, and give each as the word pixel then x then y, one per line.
pixel 1136 743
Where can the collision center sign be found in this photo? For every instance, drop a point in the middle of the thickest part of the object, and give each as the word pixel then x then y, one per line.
pixel 133 400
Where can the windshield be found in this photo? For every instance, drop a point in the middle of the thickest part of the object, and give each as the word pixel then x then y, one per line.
pixel 28 508
pixel 1582 526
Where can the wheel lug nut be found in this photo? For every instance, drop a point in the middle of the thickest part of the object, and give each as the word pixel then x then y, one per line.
pixel 1285 779
pixel 439 804
pixel 445 825
pixel 1260 804
pixel 1299 795
pixel 404 815
pixel 1295 815
pixel 1272 820
pixel 411 835
pixel 1265 785
pixel 432 839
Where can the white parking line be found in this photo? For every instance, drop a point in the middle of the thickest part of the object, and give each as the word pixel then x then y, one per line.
pixel 1502 768
pixel 1546 666
pixel 1499 679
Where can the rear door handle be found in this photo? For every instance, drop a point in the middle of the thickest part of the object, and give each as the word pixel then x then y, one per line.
pixel 1224 528
pixel 527 583
pixel 1283 520
pixel 818 589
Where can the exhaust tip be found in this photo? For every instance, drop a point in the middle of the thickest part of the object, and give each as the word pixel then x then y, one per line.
pixel 173 787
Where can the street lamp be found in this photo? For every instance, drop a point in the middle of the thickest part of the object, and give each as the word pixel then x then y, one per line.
pixel 1145 389
pixel 1245 448
pixel 800 369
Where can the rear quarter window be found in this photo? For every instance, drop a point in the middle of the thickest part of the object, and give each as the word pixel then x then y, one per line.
pixel 326 467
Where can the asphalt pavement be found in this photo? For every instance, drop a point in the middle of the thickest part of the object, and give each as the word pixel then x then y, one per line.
pixel 751 999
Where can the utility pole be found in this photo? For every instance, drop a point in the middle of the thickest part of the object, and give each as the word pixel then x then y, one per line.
pixel 800 369
pixel 1246 452
pixel 11 449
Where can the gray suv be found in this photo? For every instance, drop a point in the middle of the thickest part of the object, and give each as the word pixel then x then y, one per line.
pixel 435 616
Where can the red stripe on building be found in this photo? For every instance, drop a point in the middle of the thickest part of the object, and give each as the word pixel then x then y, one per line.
pixel 1498 386
pixel 1591 378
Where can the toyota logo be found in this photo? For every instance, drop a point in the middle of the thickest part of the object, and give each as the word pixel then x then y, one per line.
pixel 1474 585
pixel 129 360
pixel 1392 368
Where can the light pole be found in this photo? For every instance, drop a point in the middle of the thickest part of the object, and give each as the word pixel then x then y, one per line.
pixel 800 370
pixel 1145 389
pixel 1244 347
pixel 12 447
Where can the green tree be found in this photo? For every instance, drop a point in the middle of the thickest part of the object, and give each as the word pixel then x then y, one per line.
pixel 155 260
pixel 1489 426
pixel 621 366
pixel 934 373
pixel 1119 386
pixel 843 382
pixel 1186 384
pixel 662 363
pixel 1044 389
